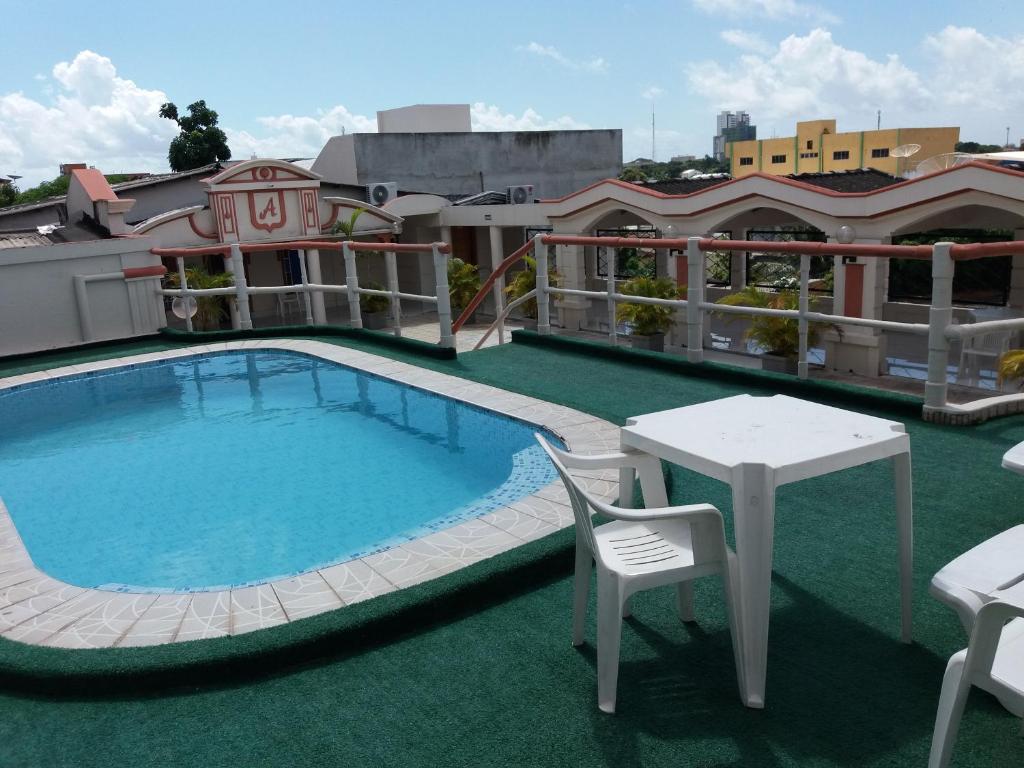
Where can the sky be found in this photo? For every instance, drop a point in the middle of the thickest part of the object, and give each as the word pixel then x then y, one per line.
pixel 83 83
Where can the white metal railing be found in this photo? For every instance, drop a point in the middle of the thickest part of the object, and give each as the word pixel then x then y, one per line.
pixel 940 329
pixel 240 292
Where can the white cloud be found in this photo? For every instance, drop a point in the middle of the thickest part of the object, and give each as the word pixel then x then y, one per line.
pixel 95 117
pixel 807 77
pixel 297 136
pixel 550 52
pixel 967 79
pixel 489 117
pixel 977 71
pixel 769 9
pixel 746 41
pixel 652 92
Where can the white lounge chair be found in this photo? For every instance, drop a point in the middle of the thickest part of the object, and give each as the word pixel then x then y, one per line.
pixel 985 586
pixel 641 549
pixel 992 661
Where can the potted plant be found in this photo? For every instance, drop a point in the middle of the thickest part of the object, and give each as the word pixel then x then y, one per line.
pixel 1011 367
pixel 779 337
pixel 210 310
pixel 463 285
pixel 521 283
pixel 648 321
pixel 374 309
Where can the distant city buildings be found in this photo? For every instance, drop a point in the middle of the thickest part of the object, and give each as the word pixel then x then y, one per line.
pixel 817 148
pixel 731 126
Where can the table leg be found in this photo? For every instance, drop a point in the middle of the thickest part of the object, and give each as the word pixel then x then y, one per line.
pixel 905 522
pixel 753 503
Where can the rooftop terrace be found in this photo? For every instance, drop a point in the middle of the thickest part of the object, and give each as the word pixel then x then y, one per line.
pixel 476 667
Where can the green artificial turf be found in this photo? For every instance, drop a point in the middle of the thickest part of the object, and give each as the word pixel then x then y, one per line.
pixel 476 668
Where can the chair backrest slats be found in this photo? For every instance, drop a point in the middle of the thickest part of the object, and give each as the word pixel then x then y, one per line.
pixel 577 498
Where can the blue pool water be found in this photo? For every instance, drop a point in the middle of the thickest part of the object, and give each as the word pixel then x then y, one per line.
pixel 199 473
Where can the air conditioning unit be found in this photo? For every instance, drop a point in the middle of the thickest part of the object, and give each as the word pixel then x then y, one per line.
pixel 520 194
pixel 381 192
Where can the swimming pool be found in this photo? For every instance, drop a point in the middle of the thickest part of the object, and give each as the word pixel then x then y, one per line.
pixel 241 467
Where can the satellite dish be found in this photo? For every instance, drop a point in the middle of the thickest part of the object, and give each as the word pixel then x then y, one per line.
pixel 941 162
pixel 905 150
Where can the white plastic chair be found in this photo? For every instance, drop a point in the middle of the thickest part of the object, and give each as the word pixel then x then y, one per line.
pixel 970 581
pixel 992 661
pixel 641 549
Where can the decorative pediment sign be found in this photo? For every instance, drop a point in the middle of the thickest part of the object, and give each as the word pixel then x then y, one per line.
pixel 265 199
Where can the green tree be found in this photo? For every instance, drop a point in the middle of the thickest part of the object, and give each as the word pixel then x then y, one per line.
pixel 57 187
pixel 974 148
pixel 200 142
pixel 8 194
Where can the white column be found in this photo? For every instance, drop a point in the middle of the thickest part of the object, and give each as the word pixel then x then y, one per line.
pixel 939 318
pixel 859 350
pixel 317 297
pixel 497 256
pixel 571 268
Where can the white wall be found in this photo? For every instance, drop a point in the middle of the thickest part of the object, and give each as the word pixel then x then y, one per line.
pixel 38 306
pixel 425 118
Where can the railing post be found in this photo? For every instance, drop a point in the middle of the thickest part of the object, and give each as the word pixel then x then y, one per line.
pixel 307 299
pixel 352 286
pixel 183 284
pixel 444 303
pixel 940 316
pixel 613 331
pixel 540 256
pixel 241 288
pixel 804 307
pixel 391 265
pixel 694 298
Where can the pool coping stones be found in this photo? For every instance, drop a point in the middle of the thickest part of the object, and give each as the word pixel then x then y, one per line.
pixel 40 610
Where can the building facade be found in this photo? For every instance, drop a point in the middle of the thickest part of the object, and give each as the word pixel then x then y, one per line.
pixel 818 148
pixel 731 126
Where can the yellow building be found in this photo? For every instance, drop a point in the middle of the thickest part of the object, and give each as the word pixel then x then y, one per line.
pixel 817 148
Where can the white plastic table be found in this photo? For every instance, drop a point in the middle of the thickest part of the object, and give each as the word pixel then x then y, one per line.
pixel 756 444
pixel 1013 459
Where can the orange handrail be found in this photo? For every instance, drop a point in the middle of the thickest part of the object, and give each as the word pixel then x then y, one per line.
pixel 501 269
pixel 963 251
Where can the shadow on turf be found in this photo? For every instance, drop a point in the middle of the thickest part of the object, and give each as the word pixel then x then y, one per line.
pixel 857 695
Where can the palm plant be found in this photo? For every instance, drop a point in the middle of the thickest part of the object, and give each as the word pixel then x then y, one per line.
pixel 775 335
pixel 647 319
pixel 346 228
pixel 210 310
pixel 463 284
pixel 1011 366
pixel 524 281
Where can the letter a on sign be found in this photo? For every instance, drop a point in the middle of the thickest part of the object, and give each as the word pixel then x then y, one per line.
pixel 266 210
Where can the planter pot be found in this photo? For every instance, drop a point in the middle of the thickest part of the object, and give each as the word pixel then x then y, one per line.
pixel 654 342
pixel 375 321
pixel 777 364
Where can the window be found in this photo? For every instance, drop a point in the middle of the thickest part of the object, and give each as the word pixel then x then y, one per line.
pixel 810 144
pixel 778 159
pixel 843 154
pixel 746 161
pixel 880 152
pixel 808 155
